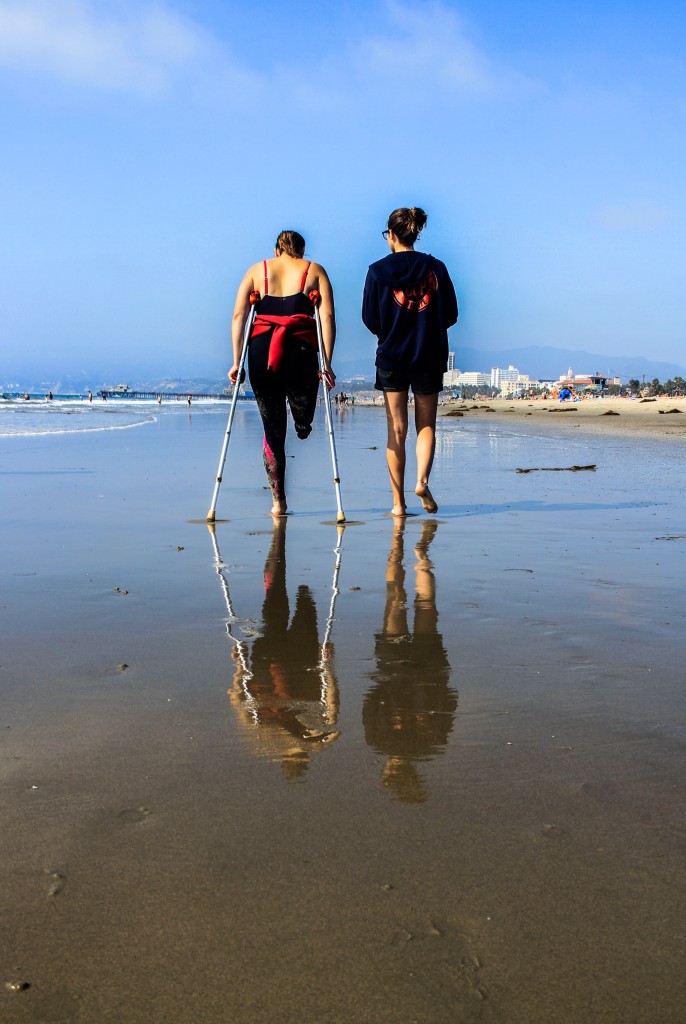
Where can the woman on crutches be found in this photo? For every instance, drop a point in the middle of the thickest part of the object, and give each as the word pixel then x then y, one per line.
pixel 283 347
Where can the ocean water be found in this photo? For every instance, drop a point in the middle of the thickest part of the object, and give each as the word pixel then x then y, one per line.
pixel 66 414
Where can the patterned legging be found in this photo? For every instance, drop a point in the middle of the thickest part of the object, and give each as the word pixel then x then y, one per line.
pixel 297 384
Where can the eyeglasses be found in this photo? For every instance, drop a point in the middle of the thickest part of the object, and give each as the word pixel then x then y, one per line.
pixel 384 234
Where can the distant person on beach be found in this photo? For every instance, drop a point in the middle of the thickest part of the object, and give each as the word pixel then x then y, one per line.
pixel 409 303
pixel 282 357
pixel 90 396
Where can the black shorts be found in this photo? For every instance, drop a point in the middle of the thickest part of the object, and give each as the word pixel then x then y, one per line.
pixel 422 382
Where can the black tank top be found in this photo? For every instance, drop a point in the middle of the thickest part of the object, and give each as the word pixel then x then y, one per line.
pixel 285 305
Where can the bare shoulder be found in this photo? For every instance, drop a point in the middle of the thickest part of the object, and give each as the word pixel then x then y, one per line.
pixel 254 274
pixel 318 269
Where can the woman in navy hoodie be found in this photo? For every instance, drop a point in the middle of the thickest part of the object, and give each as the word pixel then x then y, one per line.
pixel 409 303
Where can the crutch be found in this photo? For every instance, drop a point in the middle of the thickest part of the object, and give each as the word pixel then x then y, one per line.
pixel 315 297
pixel 254 296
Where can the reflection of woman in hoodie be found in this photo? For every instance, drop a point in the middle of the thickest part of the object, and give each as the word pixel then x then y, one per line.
pixel 408 713
pixel 409 303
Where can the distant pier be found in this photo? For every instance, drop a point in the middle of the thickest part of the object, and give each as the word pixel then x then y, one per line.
pixel 177 395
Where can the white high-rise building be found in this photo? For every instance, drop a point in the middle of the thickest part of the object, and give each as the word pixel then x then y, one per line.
pixel 500 376
pixel 452 373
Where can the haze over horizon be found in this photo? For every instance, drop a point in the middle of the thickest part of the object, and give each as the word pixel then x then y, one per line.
pixel 155 149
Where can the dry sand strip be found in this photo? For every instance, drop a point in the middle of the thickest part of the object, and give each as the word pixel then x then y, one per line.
pixel 655 417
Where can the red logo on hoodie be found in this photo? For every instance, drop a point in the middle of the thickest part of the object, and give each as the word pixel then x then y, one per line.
pixel 418 296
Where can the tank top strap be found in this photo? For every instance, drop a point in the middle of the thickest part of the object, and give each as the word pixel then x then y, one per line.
pixel 302 283
pixel 266 278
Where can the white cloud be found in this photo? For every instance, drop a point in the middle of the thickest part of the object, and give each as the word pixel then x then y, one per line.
pixel 129 48
pixel 428 41
pixel 634 216
pixel 144 47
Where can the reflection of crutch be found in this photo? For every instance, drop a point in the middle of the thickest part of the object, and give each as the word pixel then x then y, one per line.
pixel 315 297
pixel 324 656
pixel 328 687
pixel 254 296
pixel 240 646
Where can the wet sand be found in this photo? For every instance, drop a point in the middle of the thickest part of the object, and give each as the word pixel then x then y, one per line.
pixel 457 797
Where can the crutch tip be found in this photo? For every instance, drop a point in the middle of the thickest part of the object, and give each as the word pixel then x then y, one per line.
pixel 210 516
pixel 340 518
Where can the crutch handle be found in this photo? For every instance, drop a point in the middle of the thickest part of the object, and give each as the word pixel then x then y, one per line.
pixel 235 379
pixel 314 296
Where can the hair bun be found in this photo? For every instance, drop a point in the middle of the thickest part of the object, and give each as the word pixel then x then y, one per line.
pixel 419 218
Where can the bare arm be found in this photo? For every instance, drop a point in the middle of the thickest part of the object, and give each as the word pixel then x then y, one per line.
pixel 241 310
pixel 327 316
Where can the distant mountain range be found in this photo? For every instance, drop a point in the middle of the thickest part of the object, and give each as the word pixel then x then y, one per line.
pixel 541 363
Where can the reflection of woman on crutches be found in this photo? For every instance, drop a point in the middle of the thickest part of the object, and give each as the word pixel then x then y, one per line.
pixel 284 691
pixel 283 347
pixel 408 713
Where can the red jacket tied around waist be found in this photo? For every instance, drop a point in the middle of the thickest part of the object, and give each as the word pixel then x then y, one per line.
pixel 299 326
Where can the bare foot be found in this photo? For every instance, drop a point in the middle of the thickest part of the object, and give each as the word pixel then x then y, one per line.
pixel 421 550
pixel 426 497
pixel 399 510
pixel 279 507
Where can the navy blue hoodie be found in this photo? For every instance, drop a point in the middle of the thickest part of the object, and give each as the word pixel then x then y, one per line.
pixel 409 303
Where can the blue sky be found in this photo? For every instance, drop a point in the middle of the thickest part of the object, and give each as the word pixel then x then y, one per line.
pixel 152 151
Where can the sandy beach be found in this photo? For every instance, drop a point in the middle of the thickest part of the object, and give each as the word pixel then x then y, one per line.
pixel 410 772
pixel 648 416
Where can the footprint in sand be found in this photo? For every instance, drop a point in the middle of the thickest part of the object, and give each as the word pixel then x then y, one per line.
pixel 416 932
pixel 133 815
pixel 461 968
pixel 56 882
pixel 469 976
pixel 428 928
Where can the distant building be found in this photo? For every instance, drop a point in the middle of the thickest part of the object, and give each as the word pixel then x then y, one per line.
pixel 500 376
pixel 515 387
pixel 474 379
pixel 582 382
pixel 451 374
